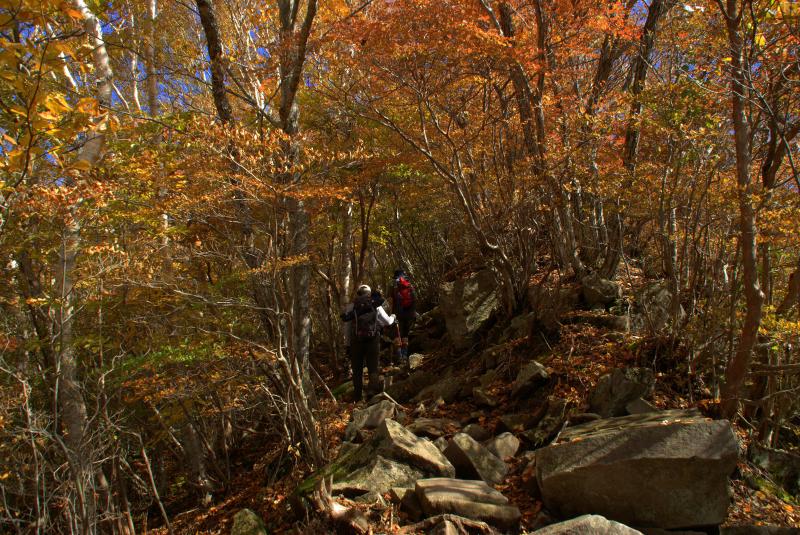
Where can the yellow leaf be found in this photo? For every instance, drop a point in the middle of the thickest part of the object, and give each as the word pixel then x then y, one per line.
pixel 74 13
pixel 87 105
pixel 81 165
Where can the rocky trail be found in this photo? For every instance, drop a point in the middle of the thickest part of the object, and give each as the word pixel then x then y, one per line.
pixel 535 433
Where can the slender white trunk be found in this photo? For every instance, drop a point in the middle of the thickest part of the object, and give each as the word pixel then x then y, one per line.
pixel 71 402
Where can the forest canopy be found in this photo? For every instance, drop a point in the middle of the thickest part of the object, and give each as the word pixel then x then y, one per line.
pixel 192 191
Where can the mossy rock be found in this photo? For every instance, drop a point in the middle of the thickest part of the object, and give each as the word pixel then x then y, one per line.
pixel 246 522
pixel 339 468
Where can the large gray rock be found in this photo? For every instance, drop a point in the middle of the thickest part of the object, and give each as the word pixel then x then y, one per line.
pixel 519 421
pixel 615 390
pixel 470 499
pixel 652 306
pixel 472 460
pixel 783 466
pixel 483 398
pixel 246 522
pixel 477 431
pixel 433 427
pixel 449 389
pixel 519 327
pixel 640 406
pixel 369 418
pixel 669 470
pixel 503 446
pixel 467 304
pixel 398 443
pixel 380 475
pixel 587 525
pixel 530 377
pixel 549 301
pixel 598 291
pixel 406 389
pixel 554 419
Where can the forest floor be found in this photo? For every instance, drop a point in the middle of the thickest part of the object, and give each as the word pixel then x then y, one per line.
pixel 582 355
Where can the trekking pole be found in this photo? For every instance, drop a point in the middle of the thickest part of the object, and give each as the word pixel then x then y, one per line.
pixel 398 349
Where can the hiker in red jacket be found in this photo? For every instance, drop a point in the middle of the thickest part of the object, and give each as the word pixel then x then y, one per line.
pixel 404 306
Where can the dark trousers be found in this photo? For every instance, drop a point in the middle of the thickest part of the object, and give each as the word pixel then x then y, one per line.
pixel 405 325
pixel 365 352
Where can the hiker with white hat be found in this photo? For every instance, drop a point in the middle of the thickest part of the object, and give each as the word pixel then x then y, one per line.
pixel 365 319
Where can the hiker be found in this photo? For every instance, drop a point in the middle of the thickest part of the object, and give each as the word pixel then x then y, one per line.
pixel 365 319
pixel 404 308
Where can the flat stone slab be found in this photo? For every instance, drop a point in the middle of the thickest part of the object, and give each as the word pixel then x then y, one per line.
pixel 369 418
pixel 468 498
pixel 503 446
pixel 380 476
pixel 472 460
pixel 587 525
pixel 398 443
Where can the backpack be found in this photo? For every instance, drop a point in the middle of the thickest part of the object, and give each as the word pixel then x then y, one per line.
pixel 366 318
pixel 404 294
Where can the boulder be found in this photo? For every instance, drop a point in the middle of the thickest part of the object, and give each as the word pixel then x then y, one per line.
pixel 488 378
pixel 470 499
pixel 530 377
pixel 406 389
pixel 549 301
pixel 246 522
pixel 410 505
pixel 640 406
pixel 651 309
pixel 518 421
pixel 477 431
pixel 468 304
pixel 371 498
pixel 519 327
pixel 583 417
pixel 471 460
pixel 615 390
pixel 396 494
pixel 433 427
pixel 669 470
pixel 659 531
pixel 503 446
pixel 369 418
pixel 598 291
pixel 587 525
pixel 449 524
pixel 483 398
pixel 441 443
pixel 555 416
pixel 379 475
pixel 398 443
pixel 783 466
pixel 449 389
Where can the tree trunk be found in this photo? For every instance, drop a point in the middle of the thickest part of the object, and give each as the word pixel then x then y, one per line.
pixel 739 365
pixel 150 59
pixel 292 60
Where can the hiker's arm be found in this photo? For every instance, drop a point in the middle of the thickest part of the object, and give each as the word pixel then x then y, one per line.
pixel 383 318
pixel 348 316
